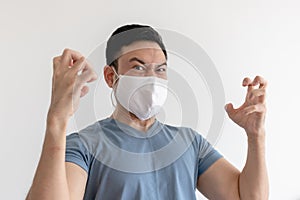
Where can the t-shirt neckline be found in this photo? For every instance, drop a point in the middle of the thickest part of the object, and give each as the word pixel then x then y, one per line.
pixel 153 129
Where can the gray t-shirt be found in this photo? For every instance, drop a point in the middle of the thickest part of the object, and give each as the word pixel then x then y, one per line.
pixel 124 163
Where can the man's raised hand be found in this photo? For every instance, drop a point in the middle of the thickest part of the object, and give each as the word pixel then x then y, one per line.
pixel 251 114
pixel 71 72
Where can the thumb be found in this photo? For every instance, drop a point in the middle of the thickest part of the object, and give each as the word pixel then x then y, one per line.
pixel 229 109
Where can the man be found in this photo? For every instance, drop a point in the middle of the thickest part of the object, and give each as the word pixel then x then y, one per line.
pixel 81 166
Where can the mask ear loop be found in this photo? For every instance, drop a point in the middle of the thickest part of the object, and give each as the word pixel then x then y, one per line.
pixel 111 98
pixel 113 89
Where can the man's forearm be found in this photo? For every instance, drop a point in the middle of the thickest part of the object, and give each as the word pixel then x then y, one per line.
pixel 253 181
pixel 50 180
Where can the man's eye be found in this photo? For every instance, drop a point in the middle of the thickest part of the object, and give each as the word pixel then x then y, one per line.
pixel 161 69
pixel 139 67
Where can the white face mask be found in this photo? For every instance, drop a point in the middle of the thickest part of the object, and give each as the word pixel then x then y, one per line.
pixel 144 96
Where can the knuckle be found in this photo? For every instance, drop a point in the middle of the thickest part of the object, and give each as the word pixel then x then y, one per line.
pixel 81 62
pixel 245 80
pixel 259 79
pixel 248 79
pixel 56 59
pixel 67 51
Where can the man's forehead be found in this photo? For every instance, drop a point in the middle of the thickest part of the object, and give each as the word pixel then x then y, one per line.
pixel 142 48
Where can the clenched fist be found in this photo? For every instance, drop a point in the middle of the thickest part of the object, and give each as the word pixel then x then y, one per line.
pixel 71 72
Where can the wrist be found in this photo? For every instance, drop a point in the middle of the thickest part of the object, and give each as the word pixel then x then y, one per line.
pixel 55 121
pixel 256 135
pixel 256 141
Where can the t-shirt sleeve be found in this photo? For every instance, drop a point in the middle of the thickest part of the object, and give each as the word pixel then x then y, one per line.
pixel 207 155
pixel 76 152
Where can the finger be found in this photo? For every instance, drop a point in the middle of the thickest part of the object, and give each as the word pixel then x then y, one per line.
pixel 93 77
pixel 78 66
pixel 257 93
pixel 84 91
pixel 247 81
pixel 258 80
pixel 69 57
pixel 87 76
pixel 82 80
pixel 229 109
pixel 56 60
pixel 259 108
pixel 87 66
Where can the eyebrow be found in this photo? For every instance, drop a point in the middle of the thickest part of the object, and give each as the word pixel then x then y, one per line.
pixel 136 59
pixel 140 61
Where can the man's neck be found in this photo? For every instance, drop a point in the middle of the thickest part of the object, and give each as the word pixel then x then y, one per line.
pixel 122 115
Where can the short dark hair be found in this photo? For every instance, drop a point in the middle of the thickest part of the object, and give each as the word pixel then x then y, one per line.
pixel 126 35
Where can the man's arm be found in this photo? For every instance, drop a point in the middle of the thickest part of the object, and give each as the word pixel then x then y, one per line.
pixel 222 180
pixel 54 178
pixel 76 178
pixel 253 181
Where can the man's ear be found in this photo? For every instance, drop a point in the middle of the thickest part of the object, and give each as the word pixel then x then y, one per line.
pixel 109 75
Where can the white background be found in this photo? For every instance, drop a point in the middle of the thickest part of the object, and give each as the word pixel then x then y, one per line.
pixel 243 38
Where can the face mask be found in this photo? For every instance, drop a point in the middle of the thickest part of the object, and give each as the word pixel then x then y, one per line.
pixel 144 96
